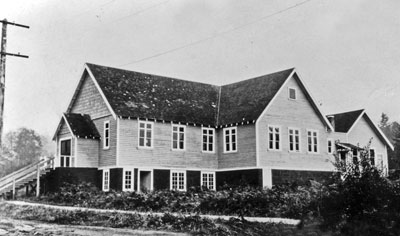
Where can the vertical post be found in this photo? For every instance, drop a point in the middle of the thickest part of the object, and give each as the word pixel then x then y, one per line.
pixel 2 74
pixel 37 180
pixel 13 189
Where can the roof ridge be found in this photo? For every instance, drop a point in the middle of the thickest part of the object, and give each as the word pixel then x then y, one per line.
pixel 358 110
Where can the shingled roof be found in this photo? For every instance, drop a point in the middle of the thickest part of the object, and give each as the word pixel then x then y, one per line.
pixel 344 121
pixel 141 95
pixel 81 126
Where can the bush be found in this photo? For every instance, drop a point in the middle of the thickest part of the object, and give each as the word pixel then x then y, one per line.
pixel 362 202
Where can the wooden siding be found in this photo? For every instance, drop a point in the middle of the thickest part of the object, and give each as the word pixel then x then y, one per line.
pixel 246 148
pixel 299 114
pixel 107 157
pixel 362 133
pixel 87 153
pixel 89 100
pixel 162 155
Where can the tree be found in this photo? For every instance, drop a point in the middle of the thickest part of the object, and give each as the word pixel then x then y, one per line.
pixel 384 121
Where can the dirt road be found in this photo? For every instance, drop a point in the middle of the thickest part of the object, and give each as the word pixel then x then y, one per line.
pixel 14 227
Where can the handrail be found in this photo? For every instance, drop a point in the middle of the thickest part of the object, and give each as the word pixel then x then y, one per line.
pixel 19 174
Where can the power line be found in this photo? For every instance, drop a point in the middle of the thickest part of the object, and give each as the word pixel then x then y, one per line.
pixel 217 35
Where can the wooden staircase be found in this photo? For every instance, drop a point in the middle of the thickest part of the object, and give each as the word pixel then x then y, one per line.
pixel 28 176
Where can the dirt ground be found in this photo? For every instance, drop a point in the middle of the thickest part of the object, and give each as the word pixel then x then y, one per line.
pixel 14 227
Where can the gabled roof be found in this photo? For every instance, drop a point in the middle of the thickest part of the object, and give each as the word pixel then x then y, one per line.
pixel 344 121
pixel 80 125
pixel 246 100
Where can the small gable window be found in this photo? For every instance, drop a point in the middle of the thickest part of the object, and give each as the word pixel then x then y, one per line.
pixel 178 137
pixel 292 94
pixel 230 142
pixel 145 134
pixel 106 135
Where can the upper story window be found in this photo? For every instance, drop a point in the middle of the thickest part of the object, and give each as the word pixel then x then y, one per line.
pixel 178 137
pixel 208 139
pixel 274 137
pixel 106 180
pixel 230 139
pixel 146 134
pixel 292 93
pixel 372 156
pixel 294 140
pixel 312 141
pixel 106 135
pixel 178 180
pixel 330 146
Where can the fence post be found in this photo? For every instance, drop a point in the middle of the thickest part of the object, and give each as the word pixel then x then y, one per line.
pixel 13 189
pixel 37 180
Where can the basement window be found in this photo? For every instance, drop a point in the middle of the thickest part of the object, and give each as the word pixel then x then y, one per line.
pixel 106 180
pixel 178 180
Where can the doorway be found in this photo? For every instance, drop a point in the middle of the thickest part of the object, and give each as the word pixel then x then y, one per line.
pixel 145 180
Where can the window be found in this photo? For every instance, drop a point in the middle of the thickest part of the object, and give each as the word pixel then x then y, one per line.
pixel 208 139
pixel 274 137
pixel 106 180
pixel 178 180
pixel 230 142
pixel 294 140
pixel 330 146
pixel 106 135
pixel 292 94
pixel 208 180
pixel 66 157
pixel 145 134
pixel 312 140
pixel 355 156
pixel 372 156
pixel 178 137
pixel 128 180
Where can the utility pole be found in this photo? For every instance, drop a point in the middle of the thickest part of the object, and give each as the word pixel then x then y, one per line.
pixel 3 54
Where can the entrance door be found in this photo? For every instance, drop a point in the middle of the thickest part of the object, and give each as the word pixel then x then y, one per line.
pixel 145 180
pixel 66 159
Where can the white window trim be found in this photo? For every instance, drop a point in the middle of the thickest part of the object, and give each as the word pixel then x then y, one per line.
pixel 295 93
pixel 280 138
pixel 294 129
pixel 184 176
pixel 214 178
pixel 103 180
pixel 132 180
pixel 375 157
pixel 152 134
pixel 72 156
pixel 327 146
pixel 318 142
pixel 172 137
pixel 230 139
pixel 104 135
pixel 213 144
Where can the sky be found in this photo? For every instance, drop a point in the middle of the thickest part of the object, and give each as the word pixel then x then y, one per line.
pixel 347 52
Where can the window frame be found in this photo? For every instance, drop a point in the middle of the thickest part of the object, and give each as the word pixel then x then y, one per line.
pixel 106 135
pixel 145 134
pixel 104 180
pixel 294 136
pixel 327 146
pixel 177 184
pixel 374 157
pixel 178 126
pixel 295 93
pixel 312 141
pixel 231 150
pixel 274 136
pixel 124 188
pixel 207 143
pixel 208 173
pixel 63 158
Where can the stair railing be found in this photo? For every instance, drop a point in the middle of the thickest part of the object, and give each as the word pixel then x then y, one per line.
pixel 33 170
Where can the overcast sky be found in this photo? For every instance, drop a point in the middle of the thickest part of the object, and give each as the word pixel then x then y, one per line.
pixel 347 52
